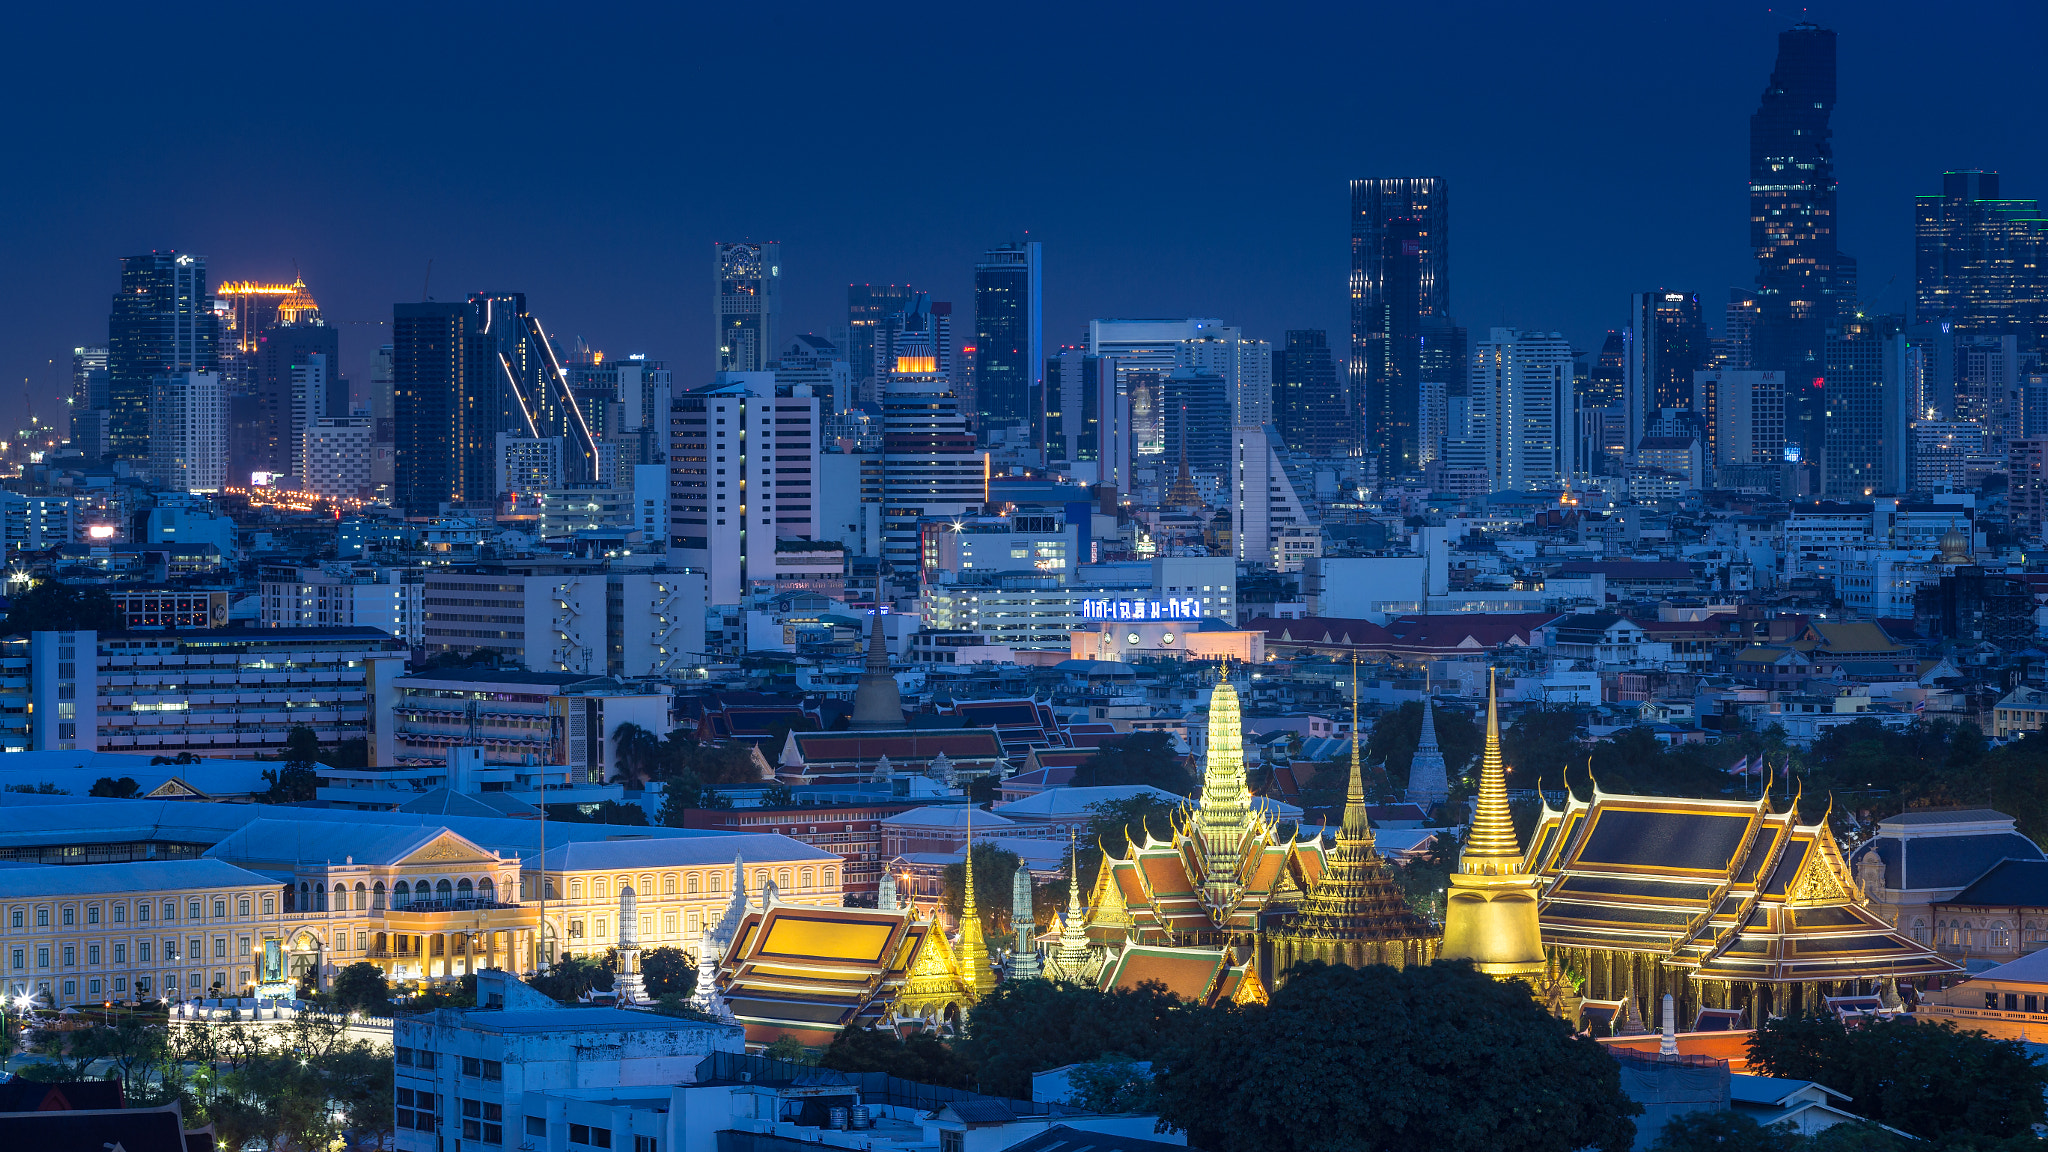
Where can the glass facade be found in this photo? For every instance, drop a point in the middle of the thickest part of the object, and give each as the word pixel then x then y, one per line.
pixel 1400 281
pixel 162 324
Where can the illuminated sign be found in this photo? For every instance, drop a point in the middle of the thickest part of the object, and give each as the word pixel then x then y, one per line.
pixel 1179 608
pixel 100 532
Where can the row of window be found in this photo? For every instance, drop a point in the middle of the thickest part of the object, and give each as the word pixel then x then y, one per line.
pixel 117 912
pixel 98 988
pixel 601 889
pixel 145 950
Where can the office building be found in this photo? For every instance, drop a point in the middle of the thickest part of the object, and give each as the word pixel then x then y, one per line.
pixel 2026 466
pixel 1145 352
pixel 743 467
pixel 1980 262
pixel 188 432
pixel 1086 420
pixel 917 338
pixel 162 325
pixel 37 523
pixel 534 395
pixel 88 378
pixel 1943 451
pixel 1804 282
pixel 1667 344
pixel 338 456
pixel 294 380
pixel 1606 383
pixel 930 464
pixel 444 409
pixel 821 364
pixel 1311 406
pixel 1245 366
pixel 866 305
pixel 1198 419
pixel 1524 408
pixel 1265 509
pixel 338 593
pixel 1400 280
pixel 577 616
pixel 1009 338
pixel 747 295
pixel 381 395
pixel 214 692
pixel 1866 410
pixel 1744 416
pixel 1735 348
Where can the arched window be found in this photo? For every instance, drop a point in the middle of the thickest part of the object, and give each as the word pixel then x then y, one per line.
pixel 444 891
pixel 717 883
pixel 694 883
pixel 668 884
pixel 242 907
pixel 782 878
pixel 465 890
pixel 341 897
pixel 377 901
pixel 401 895
pixel 486 889
pixel 1998 934
pixel 1919 931
pixel 362 896
pixel 804 878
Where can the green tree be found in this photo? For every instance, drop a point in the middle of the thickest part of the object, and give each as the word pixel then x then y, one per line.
pixel 668 971
pixel 787 1047
pixel 43 789
pixel 49 606
pixel 362 986
pixel 569 978
pixel 639 753
pixel 1139 758
pixel 778 795
pixel 923 1058
pixel 123 789
pixel 613 812
pixel 297 780
pixel 1026 1026
pixel 1717 1131
pixel 1540 743
pixel 1348 1058
pixel 995 870
pixel 1930 1080
pixel 1117 1084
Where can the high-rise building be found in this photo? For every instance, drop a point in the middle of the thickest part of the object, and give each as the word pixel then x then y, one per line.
pixel 88 378
pixel 1087 419
pixel 1744 415
pixel 162 324
pixel 1009 341
pixel 1606 382
pixel 1942 452
pixel 743 473
pixel 445 408
pixel 814 360
pixel 866 306
pixel 1145 352
pixel 930 466
pixel 921 333
pixel 1198 424
pixel 1667 344
pixel 1980 263
pixel 337 456
pixel 1804 282
pixel 1245 366
pixel 188 432
pixel 747 295
pixel 1400 279
pixel 1735 348
pixel 295 381
pixel 1864 453
pixel 1311 407
pixel 1524 408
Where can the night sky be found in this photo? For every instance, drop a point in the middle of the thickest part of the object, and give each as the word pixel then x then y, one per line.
pixel 1175 160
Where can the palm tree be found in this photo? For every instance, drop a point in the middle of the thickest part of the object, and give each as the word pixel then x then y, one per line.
pixel 639 753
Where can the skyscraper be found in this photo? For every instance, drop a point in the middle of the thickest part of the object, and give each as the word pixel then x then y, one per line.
pixel 188 432
pixel 1400 279
pixel 1735 349
pixel 1524 408
pixel 1087 419
pixel 1309 406
pixel 1804 282
pixel 1009 341
pixel 1145 353
pixel 1667 344
pixel 162 324
pixel 747 295
pixel 88 377
pixel 743 467
pixel 284 358
pixel 866 306
pixel 1980 263
pixel 1864 452
pixel 1607 380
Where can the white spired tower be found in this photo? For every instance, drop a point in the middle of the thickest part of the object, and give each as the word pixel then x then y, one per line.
pixel 629 985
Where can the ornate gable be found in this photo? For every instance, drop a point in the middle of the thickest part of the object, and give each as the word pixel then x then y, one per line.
pixel 448 848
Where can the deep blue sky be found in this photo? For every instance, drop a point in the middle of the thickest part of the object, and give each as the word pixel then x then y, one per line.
pixel 1175 160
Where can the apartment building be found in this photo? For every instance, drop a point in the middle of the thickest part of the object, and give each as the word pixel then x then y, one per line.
pixel 358 595
pixel 517 717
pixel 568 615
pixel 144 930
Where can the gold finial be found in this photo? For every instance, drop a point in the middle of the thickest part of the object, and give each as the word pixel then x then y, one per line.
pixel 1493 849
pixel 1356 825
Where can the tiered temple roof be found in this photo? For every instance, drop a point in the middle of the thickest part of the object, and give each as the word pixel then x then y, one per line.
pixel 811 972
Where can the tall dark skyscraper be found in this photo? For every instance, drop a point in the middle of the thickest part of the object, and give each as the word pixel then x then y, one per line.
pixel 1980 263
pixel 1864 451
pixel 748 280
pixel 1608 375
pixel 1400 281
pixel 1804 283
pixel 1667 344
pixel 445 415
pixel 162 324
pixel 1009 340
pixel 1310 404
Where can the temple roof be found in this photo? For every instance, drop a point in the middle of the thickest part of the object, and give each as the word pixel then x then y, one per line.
pixel 806 969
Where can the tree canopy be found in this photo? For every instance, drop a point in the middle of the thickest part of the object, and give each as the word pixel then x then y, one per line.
pixel 1027 1026
pixel 296 780
pixel 1139 758
pixel 1930 1080
pixel 1353 1059
pixel 668 971
pixel 923 1058
pixel 50 606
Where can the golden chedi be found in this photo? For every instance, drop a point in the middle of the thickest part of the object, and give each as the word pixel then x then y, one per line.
pixel 1490 917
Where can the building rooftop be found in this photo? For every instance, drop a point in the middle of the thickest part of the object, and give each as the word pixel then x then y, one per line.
pixel 134 876
pixel 671 853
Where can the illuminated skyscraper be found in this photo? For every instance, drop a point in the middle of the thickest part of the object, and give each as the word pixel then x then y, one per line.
pixel 1667 344
pixel 748 294
pixel 1867 409
pixel 162 324
pixel 1400 282
pixel 1309 405
pixel 1009 338
pixel 1980 263
pixel 866 306
pixel 1804 283
pixel 88 378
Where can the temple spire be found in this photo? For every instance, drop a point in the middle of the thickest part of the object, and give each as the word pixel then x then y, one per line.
pixel 877 701
pixel 1224 816
pixel 1357 824
pixel 1073 953
pixel 1492 849
pixel 973 953
pixel 1428 778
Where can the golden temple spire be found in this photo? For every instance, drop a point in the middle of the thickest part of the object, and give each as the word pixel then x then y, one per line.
pixel 1073 953
pixel 1492 849
pixel 1357 824
pixel 1224 815
pixel 973 954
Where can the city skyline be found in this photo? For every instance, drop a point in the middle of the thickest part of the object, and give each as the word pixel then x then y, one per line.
pixel 618 261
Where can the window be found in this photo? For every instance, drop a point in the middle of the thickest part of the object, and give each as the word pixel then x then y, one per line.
pixel 120 953
pixel 142 952
pixel 120 913
pixel 170 909
pixel 403 1058
pixel 16 959
pixel 141 913
pixel 472 1067
pixel 71 988
pixel 2012 1002
pixel 2033 1004
pixel 242 907
pixel 575 929
pixel 70 916
pixel 493 1070
pixel 220 947
pixel 192 910
pixel 1991 1000
pixel 42 917
pixel 42 957
pixel 92 987
pixel 14 918
pixel 120 983
pixel 92 954
pixel 92 914
pixel 243 947
pixel 646 1144
pixel 71 955
pixel 270 905
pixel 952 1141
pixel 220 908
pixel 536 1125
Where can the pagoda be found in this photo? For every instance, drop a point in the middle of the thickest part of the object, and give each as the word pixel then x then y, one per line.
pixel 1355 914
pixel 1490 915
pixel 1428 777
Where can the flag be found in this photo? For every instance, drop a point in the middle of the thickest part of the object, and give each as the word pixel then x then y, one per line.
pixel 1741 767
pixel 1919 706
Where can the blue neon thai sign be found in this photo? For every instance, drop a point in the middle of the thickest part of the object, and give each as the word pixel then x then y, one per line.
pixel 1175 608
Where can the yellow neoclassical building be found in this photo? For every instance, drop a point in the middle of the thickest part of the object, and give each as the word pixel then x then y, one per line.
pixel 680 886
pixel 145 930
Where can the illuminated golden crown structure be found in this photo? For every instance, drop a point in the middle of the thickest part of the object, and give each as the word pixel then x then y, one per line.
pixel 1491 913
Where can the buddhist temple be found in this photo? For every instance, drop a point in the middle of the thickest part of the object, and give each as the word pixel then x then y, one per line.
pixel 1490 912
pixel 1355 913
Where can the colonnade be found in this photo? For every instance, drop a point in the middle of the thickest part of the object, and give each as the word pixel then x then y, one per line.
pixel 1612 975
pixel 451 955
